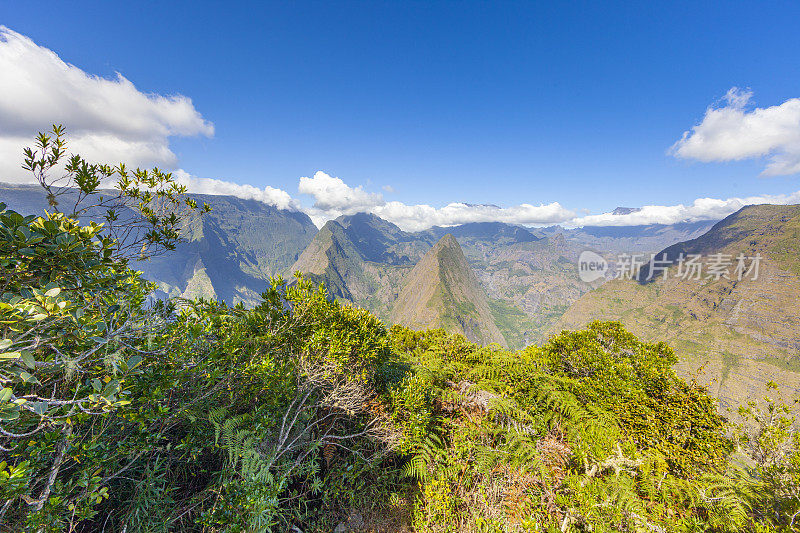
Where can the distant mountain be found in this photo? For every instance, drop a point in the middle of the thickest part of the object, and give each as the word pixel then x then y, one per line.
pixel 361 259
pixel 489 232
pixel 230 253
pixel 530 276
pixel 331 258
pixel 625 210
pixel 379 241
pixel 442 291
pixel 743 333
pixel 632 239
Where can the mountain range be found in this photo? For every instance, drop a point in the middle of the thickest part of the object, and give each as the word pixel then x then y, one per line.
pixel 513 285
pixel 528 277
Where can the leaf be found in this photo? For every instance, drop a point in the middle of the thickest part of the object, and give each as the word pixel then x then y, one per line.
pixel 40 408
pixel 10 355
pixel 5 343
pixel 52 293
pixel 9 413
pixel 134 361
pixel 28 378
pixel 27 358
pixel 5 394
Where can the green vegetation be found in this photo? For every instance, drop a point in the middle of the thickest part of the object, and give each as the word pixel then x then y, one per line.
pixel 303 413
pixel 511 322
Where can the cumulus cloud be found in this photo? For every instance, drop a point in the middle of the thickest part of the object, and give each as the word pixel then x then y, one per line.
pixel 268 195
pixel 733 132
pixel 333 194
pixel 333 197
pixel 107 120
pixel 700 209
pixel 419 217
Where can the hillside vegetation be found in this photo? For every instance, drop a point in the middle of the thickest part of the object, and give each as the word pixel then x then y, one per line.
pixel 742 333
pixel 306 414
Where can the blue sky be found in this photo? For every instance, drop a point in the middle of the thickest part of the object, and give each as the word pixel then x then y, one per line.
pixel 484 103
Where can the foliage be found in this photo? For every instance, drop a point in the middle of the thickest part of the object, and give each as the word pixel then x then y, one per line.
pixel 70 318
pixel 143 213
pixel 770 438
pixel 634 380
pixel 122 414
pixel 592 431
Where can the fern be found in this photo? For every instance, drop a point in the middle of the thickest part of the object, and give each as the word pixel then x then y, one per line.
pixel 419 465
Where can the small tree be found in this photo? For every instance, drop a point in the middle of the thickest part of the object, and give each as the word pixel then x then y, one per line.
pixel 768 435
pixel 73 325
pixel 143 211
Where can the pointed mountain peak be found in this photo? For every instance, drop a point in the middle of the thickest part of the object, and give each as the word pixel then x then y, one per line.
pixel 448 241
pixel 442 291
pixel 332 259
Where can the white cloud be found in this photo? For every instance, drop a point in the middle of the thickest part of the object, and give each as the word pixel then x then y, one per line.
pixel 700 209
pixel 333 197
pixel 107 120
pixel 388 188
pixel 732 133
pixel 419 217
pixel 268 195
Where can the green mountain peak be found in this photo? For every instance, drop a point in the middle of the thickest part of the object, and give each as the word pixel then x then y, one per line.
pixel 442 291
